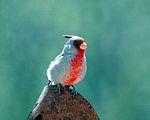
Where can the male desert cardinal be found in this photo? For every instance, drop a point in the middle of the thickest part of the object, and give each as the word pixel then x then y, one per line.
pixel 69 67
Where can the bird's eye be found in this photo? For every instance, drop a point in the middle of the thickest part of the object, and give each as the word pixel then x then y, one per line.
pixel 75 43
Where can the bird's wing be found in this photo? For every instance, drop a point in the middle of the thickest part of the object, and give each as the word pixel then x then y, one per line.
pixel 58 68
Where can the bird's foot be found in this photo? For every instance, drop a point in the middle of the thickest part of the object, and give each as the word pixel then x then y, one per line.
pixel 73 91
pixel 59 89
pixel 67 86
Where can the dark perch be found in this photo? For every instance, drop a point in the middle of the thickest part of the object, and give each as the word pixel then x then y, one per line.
pixel 51 106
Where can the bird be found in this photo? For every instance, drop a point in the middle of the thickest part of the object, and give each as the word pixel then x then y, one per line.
pixel 70 66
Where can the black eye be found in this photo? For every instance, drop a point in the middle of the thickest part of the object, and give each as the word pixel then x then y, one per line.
pixel 75 43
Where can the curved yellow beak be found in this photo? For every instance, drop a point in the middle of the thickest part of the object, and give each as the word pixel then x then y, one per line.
pixel 83 46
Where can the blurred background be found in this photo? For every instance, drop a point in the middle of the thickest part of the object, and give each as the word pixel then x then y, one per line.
pixel 117 83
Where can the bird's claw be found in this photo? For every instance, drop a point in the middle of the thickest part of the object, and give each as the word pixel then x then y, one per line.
pixel 73 91
pixel 67 86
pixel 59 89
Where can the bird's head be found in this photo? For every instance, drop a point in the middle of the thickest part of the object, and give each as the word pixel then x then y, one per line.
pixel 75 44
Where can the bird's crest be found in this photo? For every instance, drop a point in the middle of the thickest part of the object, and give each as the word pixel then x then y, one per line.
pixel 68 36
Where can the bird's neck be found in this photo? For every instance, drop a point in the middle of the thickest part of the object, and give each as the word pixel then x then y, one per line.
pixel 77 53
pixel 77 60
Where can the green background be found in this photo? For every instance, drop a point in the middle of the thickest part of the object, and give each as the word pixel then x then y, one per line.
pixel 117 32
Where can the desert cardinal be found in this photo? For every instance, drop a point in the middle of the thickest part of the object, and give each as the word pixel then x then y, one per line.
pixel 69 67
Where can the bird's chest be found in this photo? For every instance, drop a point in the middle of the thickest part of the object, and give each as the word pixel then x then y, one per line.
pixel 74 71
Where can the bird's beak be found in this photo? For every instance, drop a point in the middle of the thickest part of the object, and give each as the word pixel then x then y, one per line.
pixel 83 46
